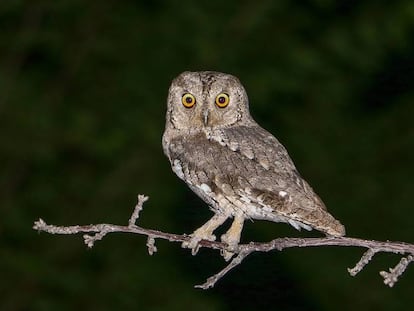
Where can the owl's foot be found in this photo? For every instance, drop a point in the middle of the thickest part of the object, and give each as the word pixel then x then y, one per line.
pixel 232 237
pixel 196 237
pixel 205 232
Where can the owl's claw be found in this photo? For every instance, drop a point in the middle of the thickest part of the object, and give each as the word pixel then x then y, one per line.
pixel 194 242
pixel 205 232
pixel 232 246
pixel 226 254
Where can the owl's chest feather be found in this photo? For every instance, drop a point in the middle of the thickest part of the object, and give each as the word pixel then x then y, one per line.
pixel 203 156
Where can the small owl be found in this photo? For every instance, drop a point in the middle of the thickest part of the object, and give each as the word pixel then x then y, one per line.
pixel 238 168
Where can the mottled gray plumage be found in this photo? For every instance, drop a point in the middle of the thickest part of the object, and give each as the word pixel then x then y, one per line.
pixel 239 169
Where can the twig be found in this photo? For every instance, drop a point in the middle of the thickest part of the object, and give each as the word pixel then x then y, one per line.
pixel 138 208
pixel 151 245
pixel 390 278
pixel 365 259
pixel 97 232
pixel 211 281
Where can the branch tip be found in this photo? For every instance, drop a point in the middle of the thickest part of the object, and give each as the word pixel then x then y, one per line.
pixel 89 240
pixel 151 245
pixel 138 208
pixel 391 277
pixel 39 225
pixel 365 259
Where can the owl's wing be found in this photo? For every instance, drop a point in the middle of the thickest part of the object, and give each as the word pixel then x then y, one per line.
pixel 280 185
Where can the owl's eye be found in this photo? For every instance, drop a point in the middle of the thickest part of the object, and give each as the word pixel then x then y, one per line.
pixel 222 100
pixel 188 100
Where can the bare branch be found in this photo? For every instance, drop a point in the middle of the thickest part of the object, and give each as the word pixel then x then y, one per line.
pixel 365 259
pixel 151 245
pixel 390 278
pixel 211 281
pixel 138 208
pixel 97 232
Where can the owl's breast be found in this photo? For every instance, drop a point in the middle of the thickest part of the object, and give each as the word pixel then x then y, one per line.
pixel 194 158
pixel 205 157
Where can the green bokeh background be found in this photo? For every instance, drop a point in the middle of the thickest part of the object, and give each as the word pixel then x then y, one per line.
pixel 83 88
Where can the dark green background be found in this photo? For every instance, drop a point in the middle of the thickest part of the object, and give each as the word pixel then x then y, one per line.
pixel 83 87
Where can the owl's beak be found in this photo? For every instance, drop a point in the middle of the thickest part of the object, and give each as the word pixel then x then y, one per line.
pixel 205 117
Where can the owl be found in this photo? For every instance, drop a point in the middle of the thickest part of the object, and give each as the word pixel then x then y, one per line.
pixel 234 165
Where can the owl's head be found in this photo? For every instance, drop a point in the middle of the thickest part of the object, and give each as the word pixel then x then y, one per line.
pixel 206 99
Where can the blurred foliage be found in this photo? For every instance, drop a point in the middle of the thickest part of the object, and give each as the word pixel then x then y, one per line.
pixel 83 87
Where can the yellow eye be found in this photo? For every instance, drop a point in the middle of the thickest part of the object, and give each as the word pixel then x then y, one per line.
pixel 188 100
pixel 222 100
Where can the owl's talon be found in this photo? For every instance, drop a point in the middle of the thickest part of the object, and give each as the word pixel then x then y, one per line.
pixel 194 242
pixel 233 245
pixel 226 254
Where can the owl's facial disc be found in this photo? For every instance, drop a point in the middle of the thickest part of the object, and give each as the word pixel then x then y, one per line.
pixel 207 99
